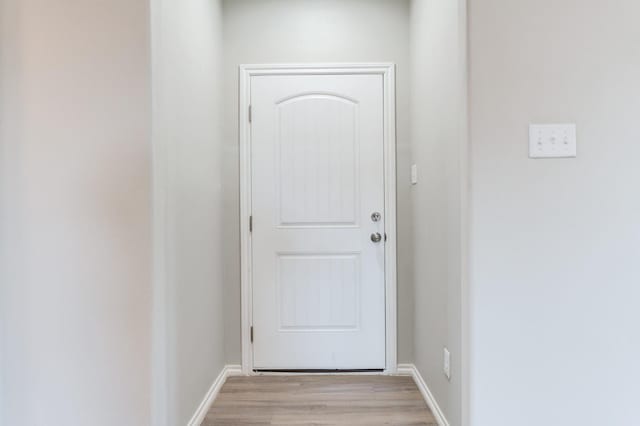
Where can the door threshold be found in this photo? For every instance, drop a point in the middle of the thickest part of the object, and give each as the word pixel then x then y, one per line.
pixel 319 371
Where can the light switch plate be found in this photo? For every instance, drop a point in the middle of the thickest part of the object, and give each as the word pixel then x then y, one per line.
pixel 414 174
pixel 552 141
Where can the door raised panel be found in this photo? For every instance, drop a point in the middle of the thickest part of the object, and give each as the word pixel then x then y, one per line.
pixel 319 292
pixel 317 173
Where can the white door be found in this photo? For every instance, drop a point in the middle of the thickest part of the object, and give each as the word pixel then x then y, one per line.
pixel 317 164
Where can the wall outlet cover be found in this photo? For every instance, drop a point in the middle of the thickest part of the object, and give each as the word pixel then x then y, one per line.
pixel 447 364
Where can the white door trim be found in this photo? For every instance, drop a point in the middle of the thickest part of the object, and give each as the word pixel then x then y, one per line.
pixel 387 71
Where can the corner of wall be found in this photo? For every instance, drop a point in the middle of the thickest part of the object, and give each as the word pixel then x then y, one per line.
pixel 440 198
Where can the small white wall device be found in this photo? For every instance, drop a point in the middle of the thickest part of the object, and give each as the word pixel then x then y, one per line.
pixel 552 141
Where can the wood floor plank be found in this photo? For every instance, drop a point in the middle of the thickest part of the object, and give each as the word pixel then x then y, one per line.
pixel 322 400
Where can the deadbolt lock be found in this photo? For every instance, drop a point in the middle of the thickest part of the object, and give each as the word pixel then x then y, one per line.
pixel 375 217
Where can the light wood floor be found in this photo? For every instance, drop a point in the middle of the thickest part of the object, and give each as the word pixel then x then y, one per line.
pixel 319 400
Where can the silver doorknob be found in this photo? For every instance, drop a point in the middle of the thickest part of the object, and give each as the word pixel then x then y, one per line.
pixel 376 237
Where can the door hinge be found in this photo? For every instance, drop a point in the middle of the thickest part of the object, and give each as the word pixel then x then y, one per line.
pixel 250 113
pixel 251 334
pixel 250 223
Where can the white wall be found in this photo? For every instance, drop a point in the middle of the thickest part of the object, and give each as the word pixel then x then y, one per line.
pixel 74 136
pixel 293 31
pixel 438 147
pixel 189 334
pixel 556 243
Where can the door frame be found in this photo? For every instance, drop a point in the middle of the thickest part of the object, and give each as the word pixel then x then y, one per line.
pixel 387 71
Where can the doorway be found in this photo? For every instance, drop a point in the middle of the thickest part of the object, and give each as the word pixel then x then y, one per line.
pixel 317 149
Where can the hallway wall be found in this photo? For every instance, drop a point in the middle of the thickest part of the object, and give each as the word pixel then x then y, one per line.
pixel 74 213
pixel 556 243
pixel 298 31
pixel 439 200
pixel 188 247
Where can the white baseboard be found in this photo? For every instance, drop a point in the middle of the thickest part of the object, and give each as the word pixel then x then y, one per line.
pixel 201 412
pixel 411 370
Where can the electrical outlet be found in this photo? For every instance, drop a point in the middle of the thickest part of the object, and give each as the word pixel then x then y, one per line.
pixel 447 363
pixel 414 174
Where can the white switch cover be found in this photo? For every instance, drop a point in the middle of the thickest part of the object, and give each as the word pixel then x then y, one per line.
pixel 447 363
pixel 414 174
pixel 552 141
